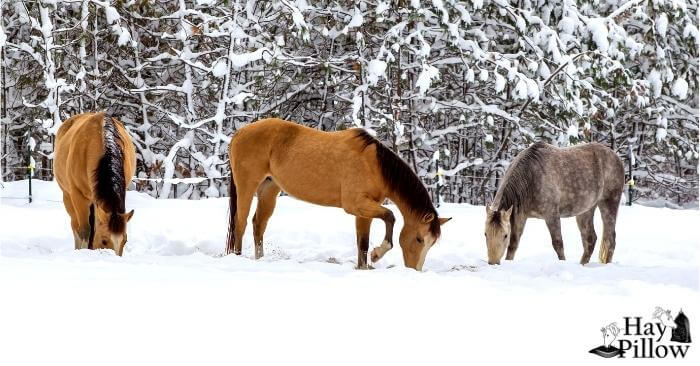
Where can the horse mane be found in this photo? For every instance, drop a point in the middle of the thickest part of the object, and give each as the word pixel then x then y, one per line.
pixel 520 178
pixel 110 186
pixel 400 179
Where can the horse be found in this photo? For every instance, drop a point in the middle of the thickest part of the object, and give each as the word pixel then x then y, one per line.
pixel 664 317
pixel 549 183
pixel 93 162
pixel 348 169
pixel 610 333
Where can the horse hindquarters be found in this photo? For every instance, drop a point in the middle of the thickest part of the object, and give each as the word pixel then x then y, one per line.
pixel 608 211
pixel 588 236
pixel 267 198
pixel 610 203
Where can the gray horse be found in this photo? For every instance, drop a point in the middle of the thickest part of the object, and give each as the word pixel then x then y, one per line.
pixel 548 183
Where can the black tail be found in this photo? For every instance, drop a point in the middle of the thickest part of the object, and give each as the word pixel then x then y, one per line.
pixel 91 219
pixel 232 207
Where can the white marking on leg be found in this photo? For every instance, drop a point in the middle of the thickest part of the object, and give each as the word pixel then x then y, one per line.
pixel 378 252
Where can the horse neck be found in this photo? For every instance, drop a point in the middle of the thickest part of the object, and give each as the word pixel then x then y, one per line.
pixel 499 204
pixel 406 211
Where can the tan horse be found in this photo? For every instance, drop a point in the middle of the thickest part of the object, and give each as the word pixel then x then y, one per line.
pixel 347 169
pixel 94 161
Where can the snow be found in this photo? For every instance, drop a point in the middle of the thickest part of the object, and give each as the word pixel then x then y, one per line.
pixel 521 89
pixel 680 88
pixel 376 69
pixel 239 98
pixel 220 68
pixel 567 25
pixel 382 6
pixel 31 143
pixel 484 75
pixel 111 14
pixel 661 134
pixel 572 131
pixel 426 77
pixel 173 299
pixel 357 19
pixel 599 32
pixel 533 90
pixel 123 33
pixel 241 59
pixel 654 79
pixel 470 76
pixel 500 83
pixel 662 24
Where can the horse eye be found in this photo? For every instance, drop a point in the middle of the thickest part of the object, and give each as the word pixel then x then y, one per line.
pixel 420 241
pixel 505 236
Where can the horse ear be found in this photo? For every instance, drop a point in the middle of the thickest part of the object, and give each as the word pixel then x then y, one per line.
pixel 489 211
pixel 428 218
pixel 443 220
pixel 128 215
pixel 506 213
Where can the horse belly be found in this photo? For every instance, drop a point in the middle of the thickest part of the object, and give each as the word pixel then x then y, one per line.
pixel 311 188
pixel 576 203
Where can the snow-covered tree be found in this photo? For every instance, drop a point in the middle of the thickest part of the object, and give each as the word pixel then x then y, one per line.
pixel 457 88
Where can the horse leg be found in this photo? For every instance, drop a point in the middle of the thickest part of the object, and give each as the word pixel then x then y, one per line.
pixel 516 231
pixel 267 197
pixel 588 237
pixel 370 209
pixel 73 220
pixel 554 226
pixel 608 211
pixel 245 191
pixel 362 226
pixel 81 207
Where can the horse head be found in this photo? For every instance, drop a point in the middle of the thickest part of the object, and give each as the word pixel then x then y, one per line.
pixel 110 230
pixel 417 237
pixel 664 316
pixel 497 233
pixel 610 333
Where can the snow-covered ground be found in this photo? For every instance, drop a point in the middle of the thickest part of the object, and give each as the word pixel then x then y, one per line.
pixel 172 297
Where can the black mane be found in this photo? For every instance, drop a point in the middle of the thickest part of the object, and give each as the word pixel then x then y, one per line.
pixel 519 181
pixel 110 186
pixel 399 177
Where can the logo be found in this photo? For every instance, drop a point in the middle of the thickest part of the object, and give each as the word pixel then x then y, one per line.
pixel 663 336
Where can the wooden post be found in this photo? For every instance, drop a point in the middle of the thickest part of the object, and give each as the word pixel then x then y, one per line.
pixel 31 172
pixel 630 183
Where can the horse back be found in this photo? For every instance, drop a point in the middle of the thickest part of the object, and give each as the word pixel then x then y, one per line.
pixel 587 174
pixel 79 148
pixel 312 165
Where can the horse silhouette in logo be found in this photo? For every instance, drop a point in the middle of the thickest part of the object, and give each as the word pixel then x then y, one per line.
pixel 681 333
pixel 607 350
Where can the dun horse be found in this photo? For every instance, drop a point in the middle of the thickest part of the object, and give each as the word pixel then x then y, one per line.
pixel 549 183
pixel 347 169
pixel 94 161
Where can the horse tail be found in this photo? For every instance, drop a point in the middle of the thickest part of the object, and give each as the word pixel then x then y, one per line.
pixel 232 207
pixel 91 220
